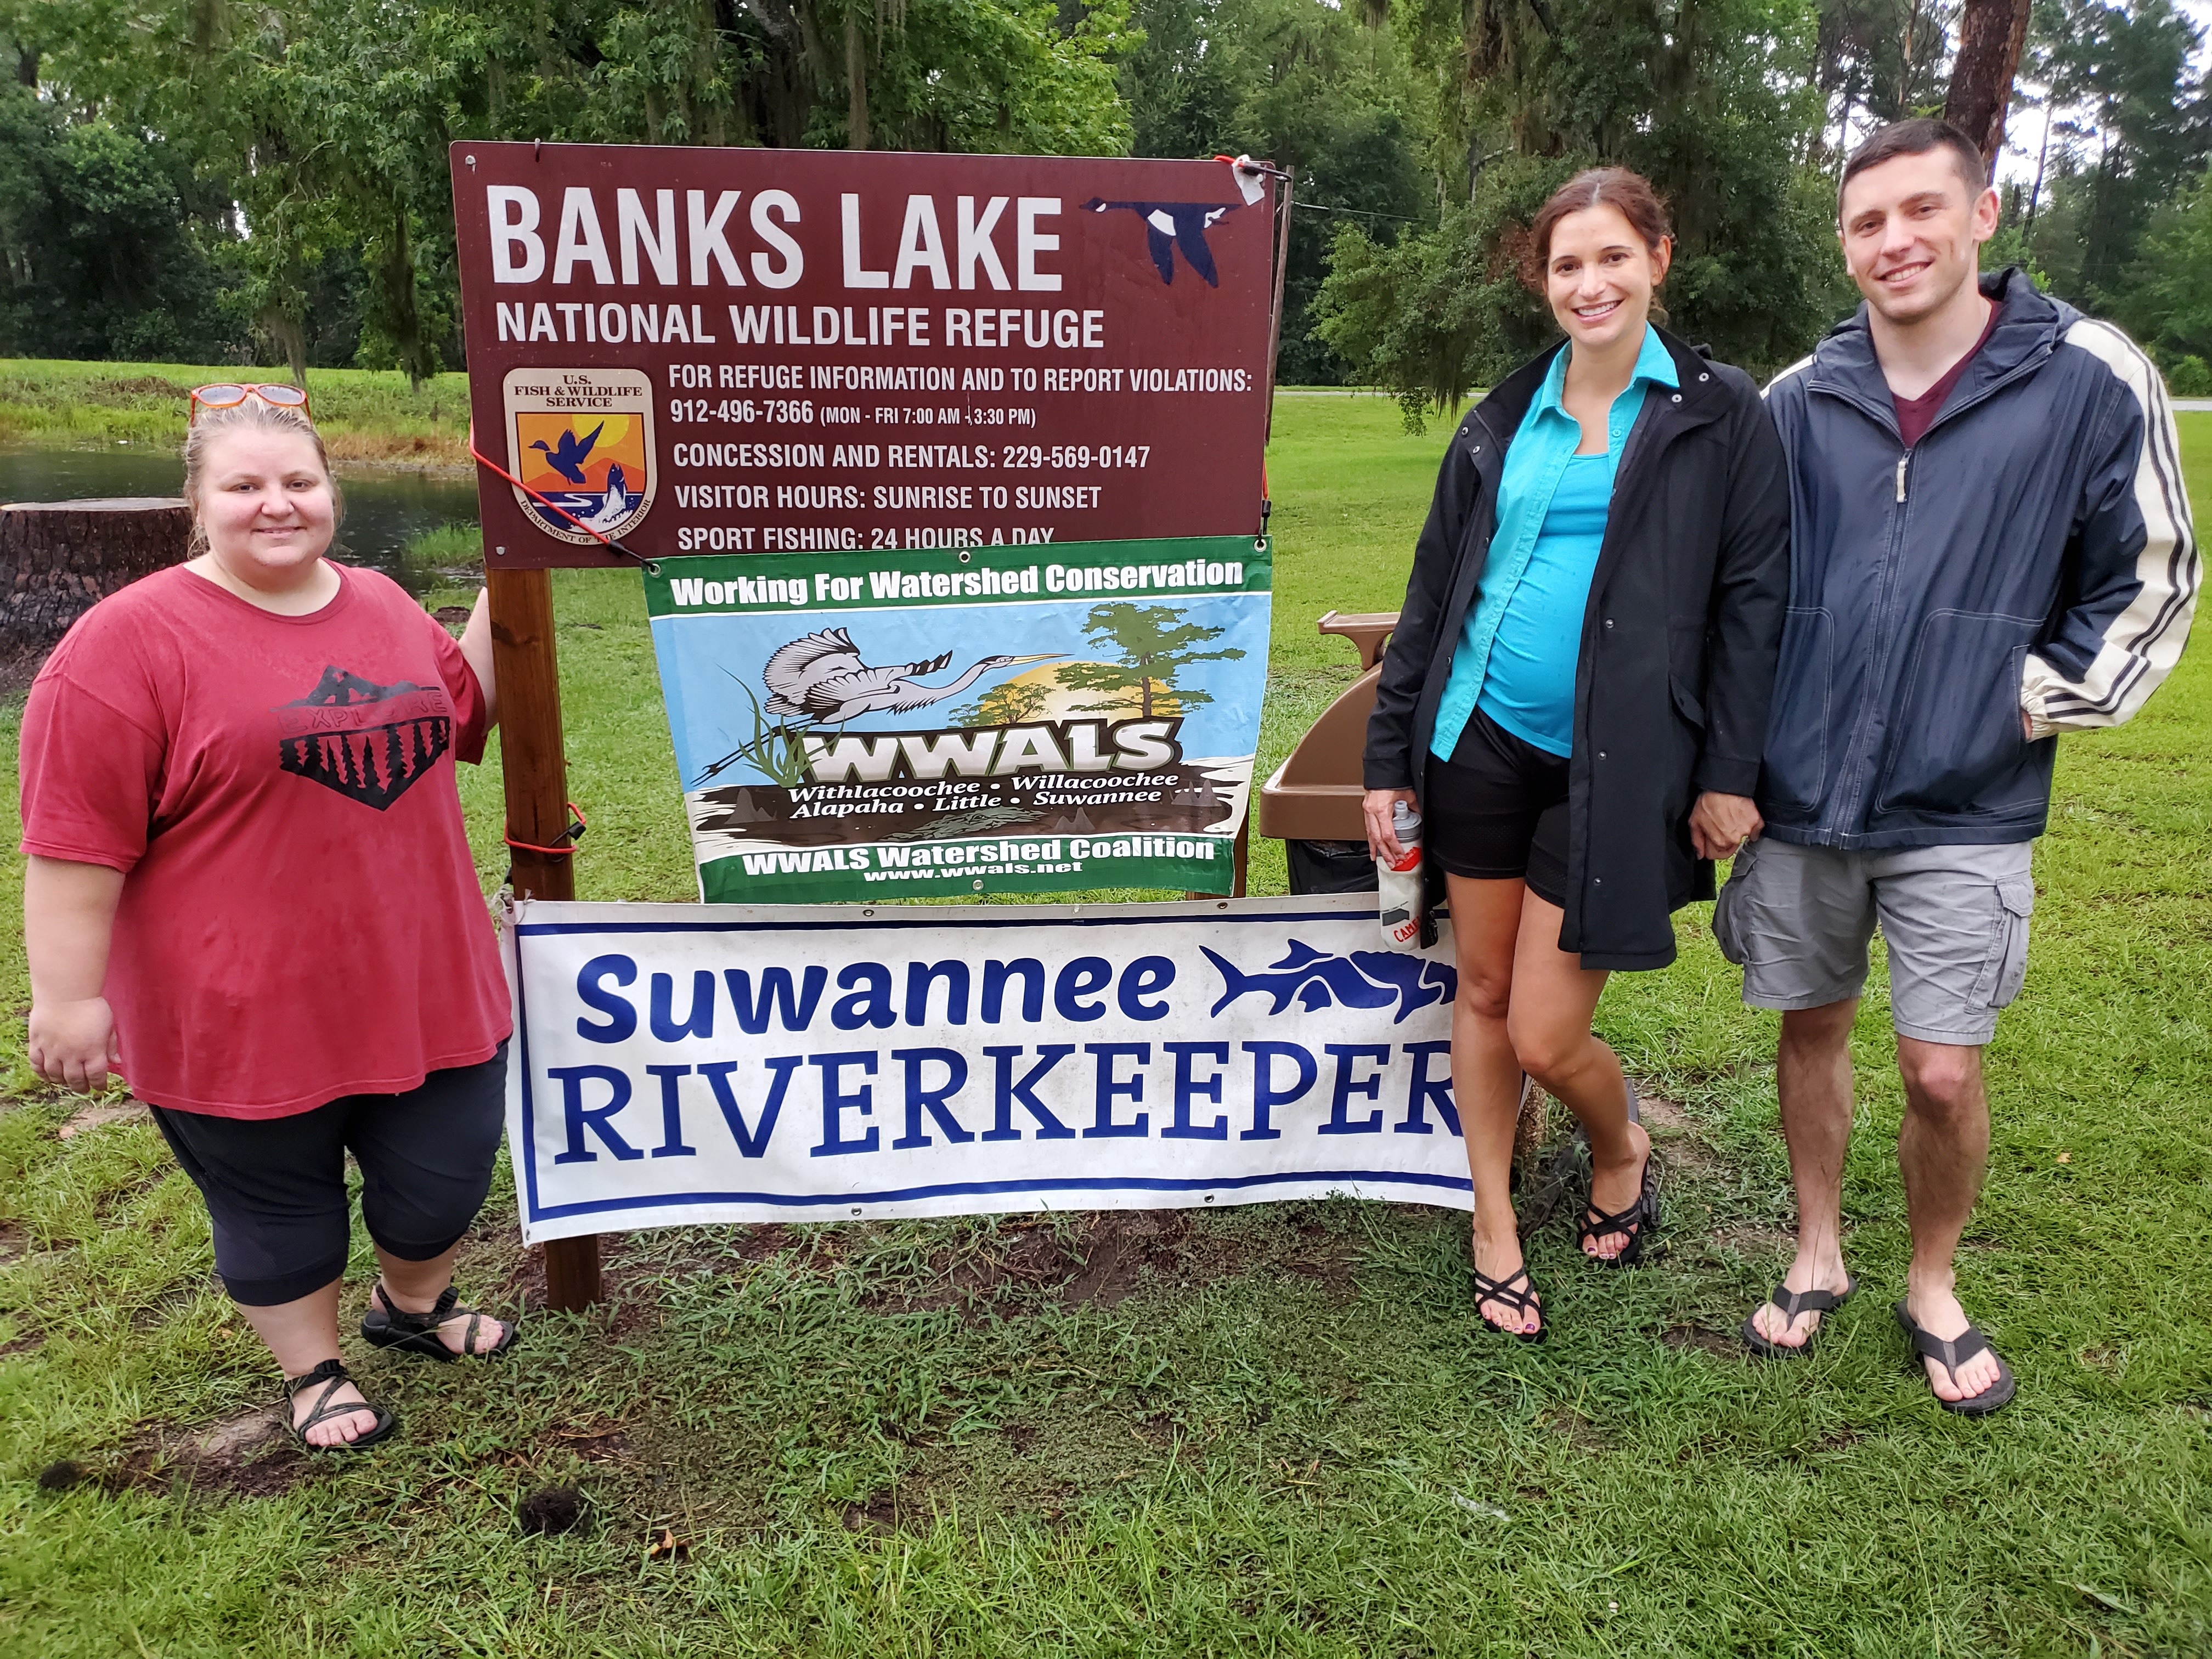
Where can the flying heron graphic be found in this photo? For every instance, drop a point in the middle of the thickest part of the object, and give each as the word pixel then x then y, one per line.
pixel 821 678
pixel 568 460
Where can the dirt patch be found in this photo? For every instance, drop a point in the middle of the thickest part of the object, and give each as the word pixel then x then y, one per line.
pixel 1721 1344
pixel 1675 1133
pixel 99 1116
pixel 452 618
pixel 249 1456
pixel 14 1243
pixel 760 1243
pixel 905 1507
pixel 1756 1240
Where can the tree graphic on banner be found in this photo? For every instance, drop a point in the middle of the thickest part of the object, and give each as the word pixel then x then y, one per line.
pixel 1155 643
pixel 1015 702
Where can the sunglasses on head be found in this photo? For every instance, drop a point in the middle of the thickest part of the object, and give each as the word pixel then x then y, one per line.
pixel 281 395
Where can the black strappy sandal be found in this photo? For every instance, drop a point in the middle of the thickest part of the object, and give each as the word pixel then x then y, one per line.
pixel 1640 1220
pixel 389 1326
pixel 1951 1352
pixel 331 1374
pixel 1791 1303
pixel 1517 1291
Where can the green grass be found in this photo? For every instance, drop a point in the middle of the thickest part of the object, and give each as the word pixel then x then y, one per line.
pixel 1275 1429
pixel 365 415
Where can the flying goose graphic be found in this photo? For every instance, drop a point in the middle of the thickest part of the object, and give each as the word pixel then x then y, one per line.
pixel 568 460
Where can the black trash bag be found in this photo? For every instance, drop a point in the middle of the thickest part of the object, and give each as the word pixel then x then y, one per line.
pixel 1330 867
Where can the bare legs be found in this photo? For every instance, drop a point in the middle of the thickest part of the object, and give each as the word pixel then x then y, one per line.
pixel 1525 1004
pixel 302 1334
pixel 1942 1148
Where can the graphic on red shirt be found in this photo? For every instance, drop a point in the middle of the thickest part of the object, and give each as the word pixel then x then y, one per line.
pixel 368 742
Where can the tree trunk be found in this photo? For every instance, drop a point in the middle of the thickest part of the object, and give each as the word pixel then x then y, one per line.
pixel 1991 35
pixel 57 558
pixel 856 81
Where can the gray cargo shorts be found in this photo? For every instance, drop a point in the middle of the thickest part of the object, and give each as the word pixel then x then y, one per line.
pixel 1797 920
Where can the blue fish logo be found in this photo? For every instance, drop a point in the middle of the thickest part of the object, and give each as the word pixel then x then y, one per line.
pixel 1361 979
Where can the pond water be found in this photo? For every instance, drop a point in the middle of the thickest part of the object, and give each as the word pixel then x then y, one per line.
pixel 384 506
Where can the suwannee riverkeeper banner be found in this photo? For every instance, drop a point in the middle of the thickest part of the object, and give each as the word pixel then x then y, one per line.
pixel 916 724
pixel 702 351
pixel 680 1064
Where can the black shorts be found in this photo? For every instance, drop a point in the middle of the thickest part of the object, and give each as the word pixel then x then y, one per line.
pixel 1496 811
pixel 276 1187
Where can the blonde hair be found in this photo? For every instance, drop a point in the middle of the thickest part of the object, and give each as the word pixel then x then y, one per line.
pixel 213 424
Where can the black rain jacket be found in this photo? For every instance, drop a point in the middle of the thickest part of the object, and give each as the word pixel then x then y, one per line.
pixel 1676 659
pixel 2033 553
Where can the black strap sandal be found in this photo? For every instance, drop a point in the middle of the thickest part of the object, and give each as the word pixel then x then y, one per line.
pixel 1951 1352
pixel 386 1325
pixel 1791 1303
pixel 331 1374
pixel 1517 1291
pixel 1640 1220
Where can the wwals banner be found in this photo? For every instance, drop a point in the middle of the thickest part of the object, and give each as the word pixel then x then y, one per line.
pixel 1013 718
pixel 676 1065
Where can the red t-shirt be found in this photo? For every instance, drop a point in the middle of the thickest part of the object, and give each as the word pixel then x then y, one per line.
pixel 1915 415
pixel 300 918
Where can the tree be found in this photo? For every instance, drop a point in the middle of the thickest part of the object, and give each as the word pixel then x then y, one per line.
pixel 1712 100
pixel 1010 703
pixel 2170 302
pixel 2146 135
pixel 327 121
pixel 1155 644
pixel 1317 88
pixel 1991 35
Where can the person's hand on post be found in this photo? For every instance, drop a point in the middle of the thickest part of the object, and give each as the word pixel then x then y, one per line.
pixel 1380 806
pixel 1720 825
pixel 73 1043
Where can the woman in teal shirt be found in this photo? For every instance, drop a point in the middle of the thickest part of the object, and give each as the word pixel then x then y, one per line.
pixel 1576 696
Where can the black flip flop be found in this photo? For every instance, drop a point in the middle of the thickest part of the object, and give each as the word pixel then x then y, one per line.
pixel 1518 1292
pixel 1793 1302
pixel 388 1326
pixel 331 1374
pixel 1640 1220
pixel 1951 1353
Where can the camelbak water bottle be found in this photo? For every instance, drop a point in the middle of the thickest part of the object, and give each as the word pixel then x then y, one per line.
pixel 1400 882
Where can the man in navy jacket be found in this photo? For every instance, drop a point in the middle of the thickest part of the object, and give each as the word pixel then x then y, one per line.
pixel 1991 545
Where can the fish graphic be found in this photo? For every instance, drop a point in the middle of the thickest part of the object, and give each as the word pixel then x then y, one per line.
pixel 1316 980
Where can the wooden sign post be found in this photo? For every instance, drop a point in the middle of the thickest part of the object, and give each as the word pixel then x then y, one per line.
pixel 535 767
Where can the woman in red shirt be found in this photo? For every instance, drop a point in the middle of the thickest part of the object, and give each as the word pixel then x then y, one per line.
pixel 250 894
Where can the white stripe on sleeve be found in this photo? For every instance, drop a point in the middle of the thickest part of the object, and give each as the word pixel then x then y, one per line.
pixel 2142 643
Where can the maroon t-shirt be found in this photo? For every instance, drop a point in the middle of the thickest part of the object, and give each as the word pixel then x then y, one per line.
pixel 300 918
pixel 1915 415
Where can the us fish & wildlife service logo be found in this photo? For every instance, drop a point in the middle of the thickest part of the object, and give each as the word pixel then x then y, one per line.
pixel 582 438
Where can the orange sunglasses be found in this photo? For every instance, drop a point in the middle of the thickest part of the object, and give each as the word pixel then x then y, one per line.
pixel 281 395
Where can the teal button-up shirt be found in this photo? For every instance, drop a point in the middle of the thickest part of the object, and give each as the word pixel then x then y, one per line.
pixel 1535 462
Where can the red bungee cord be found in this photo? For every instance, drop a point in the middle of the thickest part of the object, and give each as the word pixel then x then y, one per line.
pixel 651 567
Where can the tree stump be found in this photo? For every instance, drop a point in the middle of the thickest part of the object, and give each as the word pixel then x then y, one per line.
pixel 59 558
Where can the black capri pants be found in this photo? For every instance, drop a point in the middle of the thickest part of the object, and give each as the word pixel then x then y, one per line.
pixel 276 1187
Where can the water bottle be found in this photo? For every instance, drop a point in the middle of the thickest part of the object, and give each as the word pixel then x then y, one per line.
pixel 1400 882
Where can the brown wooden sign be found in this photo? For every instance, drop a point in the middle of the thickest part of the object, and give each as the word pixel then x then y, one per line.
pixel 780 351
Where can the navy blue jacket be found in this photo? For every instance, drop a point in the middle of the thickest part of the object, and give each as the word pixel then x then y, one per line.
pixel 1676 651
pixel 2032 552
